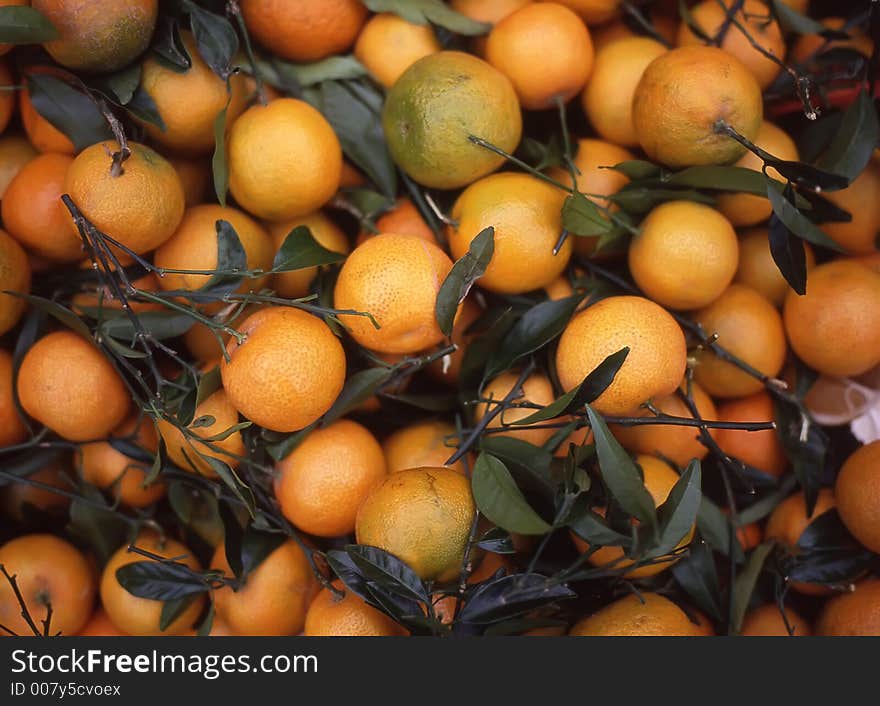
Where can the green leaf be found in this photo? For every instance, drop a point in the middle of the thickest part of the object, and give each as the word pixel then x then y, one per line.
pixel 581 216
pixel 741 179
pixel 512 595
pixel 620 474
pixel 160 581
pixel 467 270
pixel 596 382
pixel 25 25
pixel 119 87
pixel 677 515
pixel 526 460
pixel 256 546
pixel 793 21
pixel 233 482
pixel 798 223
pixel 637 169
pixel 697 575
pixel 744 585
pixel 714 527
pixel 854 142
pixel 499 499
pixel 159 324
pixel 231 258
pixel 807 452
pixel 436 12
pixel 333 68
pixel 592 528
pixel 168 46
pixel 100 527
pixel 144 108
pixel 173 609
pixel 300 250
pixel 69 110
pixel 788 253
pixel 637 198
pixel 358 389
pixel 387 571
pixel 281 449
pixel 219 165
pixel 56 311
pixel 216 39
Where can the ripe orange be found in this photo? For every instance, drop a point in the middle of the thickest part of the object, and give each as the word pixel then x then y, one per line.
pixel 423 516
pixel 110 469
pixel 749 327
pixel 48 571
pixel 593 12
pixel 297 283
pixel 275 596
pixel 284 160
pixel 447 368
pixel 100 625
pixel 685 255
pixel 349 616
pixel 607 100
pixel 18 499
pixel 428 443
pixel 678 444
pixel 645 615
pixel 396 279
pixel 33 213
pixel 15 276
pixel 42 134
pixel 526 215
pixel 858 236
pixel 682 96
pixel 436 105
pixel 388 45
pixel 654 366
pixel 12 428
pixel 757 269
pixel 187 452
pixel 304 30
pixel 194 247
pixel 67 384
pixel 835 327
pixel 99 35
pixel 190 101
pixel 403 218
pixel 710 16
pixel 748 209
pixel 759 449
pixel 855 613
pixel 140 616
pixel 545 50
pixel 140 208
pixel 272 387
pixel 767 621
pixel 536 389
pixel 15 153
pixel 322 483
pixel 858 495
pixel 489 11
pixel 195 177
pixel 659 479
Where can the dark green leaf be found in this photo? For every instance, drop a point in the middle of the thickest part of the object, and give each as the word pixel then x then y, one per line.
pixel 219 165
pixel 697 575
pixel 58 312
pixel 637 198
pixel 497 541
pixel 467 270
pixel 387 571
pixel 793 21
pixel 638 169
pixel 197 508
pixel 789 255
pixel 281 449
pixel 592 528
pixel 168 46
pixel 806 451
pixel 580 216
pixel 509 596
pixel 358 389
pixel 144 108
pixel 498 498
pixel 300 250
pixel 722 178
pixel 100 527
pixel 207 624
pixel 522 458
pixel 256 546
pixel 25 25
pixel 677 515
pixel 119 87
pixel 715 528
pixel 542 156
pixel 798 223
pixel 233 482
pixel 855 140
pixel 333 68
pixel 231 258
pixel 160 581
pixel 744 585
pixel 215 37
pixel 209 383
pixel 233 535
pixel 436 12
pixel 173 609
pixel 159 324
pixel 69 110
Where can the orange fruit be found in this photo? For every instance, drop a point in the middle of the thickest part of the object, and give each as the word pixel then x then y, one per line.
pixel 189 101
pixel 749 327
pixel 855 613
pixel 436 105
pixel 321 484
pixel 348 616
pixel 203 344
pixel 489 11
pixel 807 45
pixel 304 30
pixel 749 536
pixel 710 16
pixel 835 327
pixel 15 153
pixel 140 208
pixel 545 50
pixel 351 177
pixel 767 621
pixel 195 177
pixel 106 467
pixel 535 389
pixel 7 95
pixel 187 452
pixel 388 45
pixel 447 368
pixel 194 247
pixel 34 214
pixel 759 449
pixel 99 35
pixel 18 499
pixel 757 269
pixel 273 388
pixel 42 134
pixel 678 444
pixel 644 615
pixel 685 255
pixel 274 597
pixel 329 235
pixel 526 215
pixel 659 479
pixel 66 383
pixel 682 96
pixel 396 279
pixel 857 490
pixel 615 30
pixel 593 12
pixel 428 443
pixel 748 209
pixel 284 160
pixel 858 236
pixel 403 218
pixel 423 516
pixel 15 276
pixel 12 428
pixel 140 616
pixel 657 351
pixel 48 571
pixel 100 625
